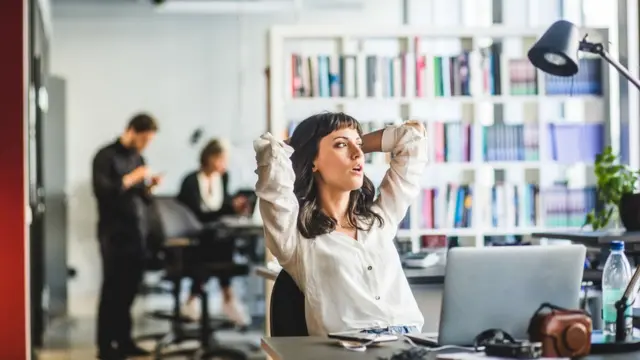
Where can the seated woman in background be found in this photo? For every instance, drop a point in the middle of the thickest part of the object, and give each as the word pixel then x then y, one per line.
pixel 205 192
pixel 330 232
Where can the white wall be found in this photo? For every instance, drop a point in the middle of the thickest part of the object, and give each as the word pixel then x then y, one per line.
pixel 189 71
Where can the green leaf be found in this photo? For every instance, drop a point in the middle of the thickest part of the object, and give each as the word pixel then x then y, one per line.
pixel 613 180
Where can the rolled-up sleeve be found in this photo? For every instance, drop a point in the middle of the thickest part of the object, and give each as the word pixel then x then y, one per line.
pixel 402 182
pixel 277 202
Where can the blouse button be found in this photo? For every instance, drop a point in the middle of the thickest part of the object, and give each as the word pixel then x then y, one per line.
pixel 377 297
pixel 369 267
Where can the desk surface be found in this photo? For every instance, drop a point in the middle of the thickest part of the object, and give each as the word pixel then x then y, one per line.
pixel 322 348
pixel 592 237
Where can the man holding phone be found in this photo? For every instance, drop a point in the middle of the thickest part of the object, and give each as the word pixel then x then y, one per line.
pixel 122 185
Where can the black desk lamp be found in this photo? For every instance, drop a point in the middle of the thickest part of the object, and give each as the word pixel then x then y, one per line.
pixel 556 53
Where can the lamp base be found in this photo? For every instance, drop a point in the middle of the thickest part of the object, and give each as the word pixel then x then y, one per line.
pixel 607 344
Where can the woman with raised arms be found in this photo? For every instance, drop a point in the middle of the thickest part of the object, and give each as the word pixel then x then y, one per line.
pixel 329 231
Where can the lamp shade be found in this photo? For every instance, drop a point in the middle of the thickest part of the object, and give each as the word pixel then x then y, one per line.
pixel 556 52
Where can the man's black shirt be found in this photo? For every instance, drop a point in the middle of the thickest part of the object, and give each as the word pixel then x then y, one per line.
pixel 122 212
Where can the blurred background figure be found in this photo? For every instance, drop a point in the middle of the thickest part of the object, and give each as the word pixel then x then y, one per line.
pixel 205 192
pixel 123 196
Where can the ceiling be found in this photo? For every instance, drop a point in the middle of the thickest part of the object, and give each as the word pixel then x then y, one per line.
pixel 217 6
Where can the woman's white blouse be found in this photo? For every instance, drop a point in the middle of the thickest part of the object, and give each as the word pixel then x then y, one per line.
pixel 347 284
pixel 211 191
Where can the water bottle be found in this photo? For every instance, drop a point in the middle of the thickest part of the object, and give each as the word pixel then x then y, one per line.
pixel 615 278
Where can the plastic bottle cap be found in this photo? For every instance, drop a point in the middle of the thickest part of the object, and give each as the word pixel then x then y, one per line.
pixel 617 245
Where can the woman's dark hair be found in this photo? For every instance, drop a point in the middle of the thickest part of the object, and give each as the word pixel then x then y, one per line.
pixel 213 148
pixel 305 140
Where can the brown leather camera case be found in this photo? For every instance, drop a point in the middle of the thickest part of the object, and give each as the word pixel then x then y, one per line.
pixel 562 332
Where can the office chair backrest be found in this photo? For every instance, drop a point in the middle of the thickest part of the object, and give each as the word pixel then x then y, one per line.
pixel 287 308
pixel 177 220
pixel 155 255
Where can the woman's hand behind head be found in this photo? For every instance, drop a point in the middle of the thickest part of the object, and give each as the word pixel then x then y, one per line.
pixel 416 125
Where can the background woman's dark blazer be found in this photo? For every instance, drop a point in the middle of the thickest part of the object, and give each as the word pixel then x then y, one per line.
pixel 190 196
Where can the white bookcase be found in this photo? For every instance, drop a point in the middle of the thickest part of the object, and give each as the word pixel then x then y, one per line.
pixel 477 108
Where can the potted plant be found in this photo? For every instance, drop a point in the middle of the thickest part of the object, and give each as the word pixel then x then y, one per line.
pixel 616 191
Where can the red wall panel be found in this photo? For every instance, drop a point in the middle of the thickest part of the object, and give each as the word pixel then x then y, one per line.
pixel 13 243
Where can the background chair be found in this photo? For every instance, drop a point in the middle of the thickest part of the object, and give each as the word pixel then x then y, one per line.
pixel 155 258
pixel 287 308
pixel 182 230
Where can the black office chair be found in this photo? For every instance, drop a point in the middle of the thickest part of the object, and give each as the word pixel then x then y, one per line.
pixel 287 315
pixel 180 225
pixel 155 257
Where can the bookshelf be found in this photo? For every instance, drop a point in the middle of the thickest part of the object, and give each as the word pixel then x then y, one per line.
pixel 503 133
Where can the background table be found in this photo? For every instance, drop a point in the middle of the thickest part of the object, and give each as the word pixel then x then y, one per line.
pixel 593 238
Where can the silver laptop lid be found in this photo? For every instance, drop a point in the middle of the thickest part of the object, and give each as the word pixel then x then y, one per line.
pixel 502 287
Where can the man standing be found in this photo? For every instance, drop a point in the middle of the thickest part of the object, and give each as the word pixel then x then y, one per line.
pixel 122 186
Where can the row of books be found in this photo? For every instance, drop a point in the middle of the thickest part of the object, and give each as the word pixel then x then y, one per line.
pixel 452 141
pixel 565 207
pixel 470 73
pixel 500 142
pixel 588 80
pixel 437 243
pixel 503 205
pixel 511 142
pixel 523 79
pixel 448 207
pixel 568 143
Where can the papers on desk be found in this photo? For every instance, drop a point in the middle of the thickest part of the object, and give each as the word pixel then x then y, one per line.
pixel 479 356
pixel 423 260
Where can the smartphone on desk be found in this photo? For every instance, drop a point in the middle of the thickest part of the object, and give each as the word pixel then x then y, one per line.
pixel 363 337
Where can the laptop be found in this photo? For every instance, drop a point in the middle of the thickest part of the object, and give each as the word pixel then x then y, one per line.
pixel 502 287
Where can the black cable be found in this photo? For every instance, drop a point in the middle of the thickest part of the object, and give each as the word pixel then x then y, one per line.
pixel 414 353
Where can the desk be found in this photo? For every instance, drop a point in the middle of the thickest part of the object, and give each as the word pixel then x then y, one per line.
pixel 430 275
pixel 593 238
pixel 322 348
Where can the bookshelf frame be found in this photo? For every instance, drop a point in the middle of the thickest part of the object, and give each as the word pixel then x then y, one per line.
pixel 278 87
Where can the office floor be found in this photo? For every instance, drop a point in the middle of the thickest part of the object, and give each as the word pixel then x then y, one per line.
pixel 73 339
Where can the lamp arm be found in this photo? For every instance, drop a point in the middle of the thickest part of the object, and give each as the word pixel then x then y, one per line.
pixel 598 49
pixel 622 306
pixel 632 284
